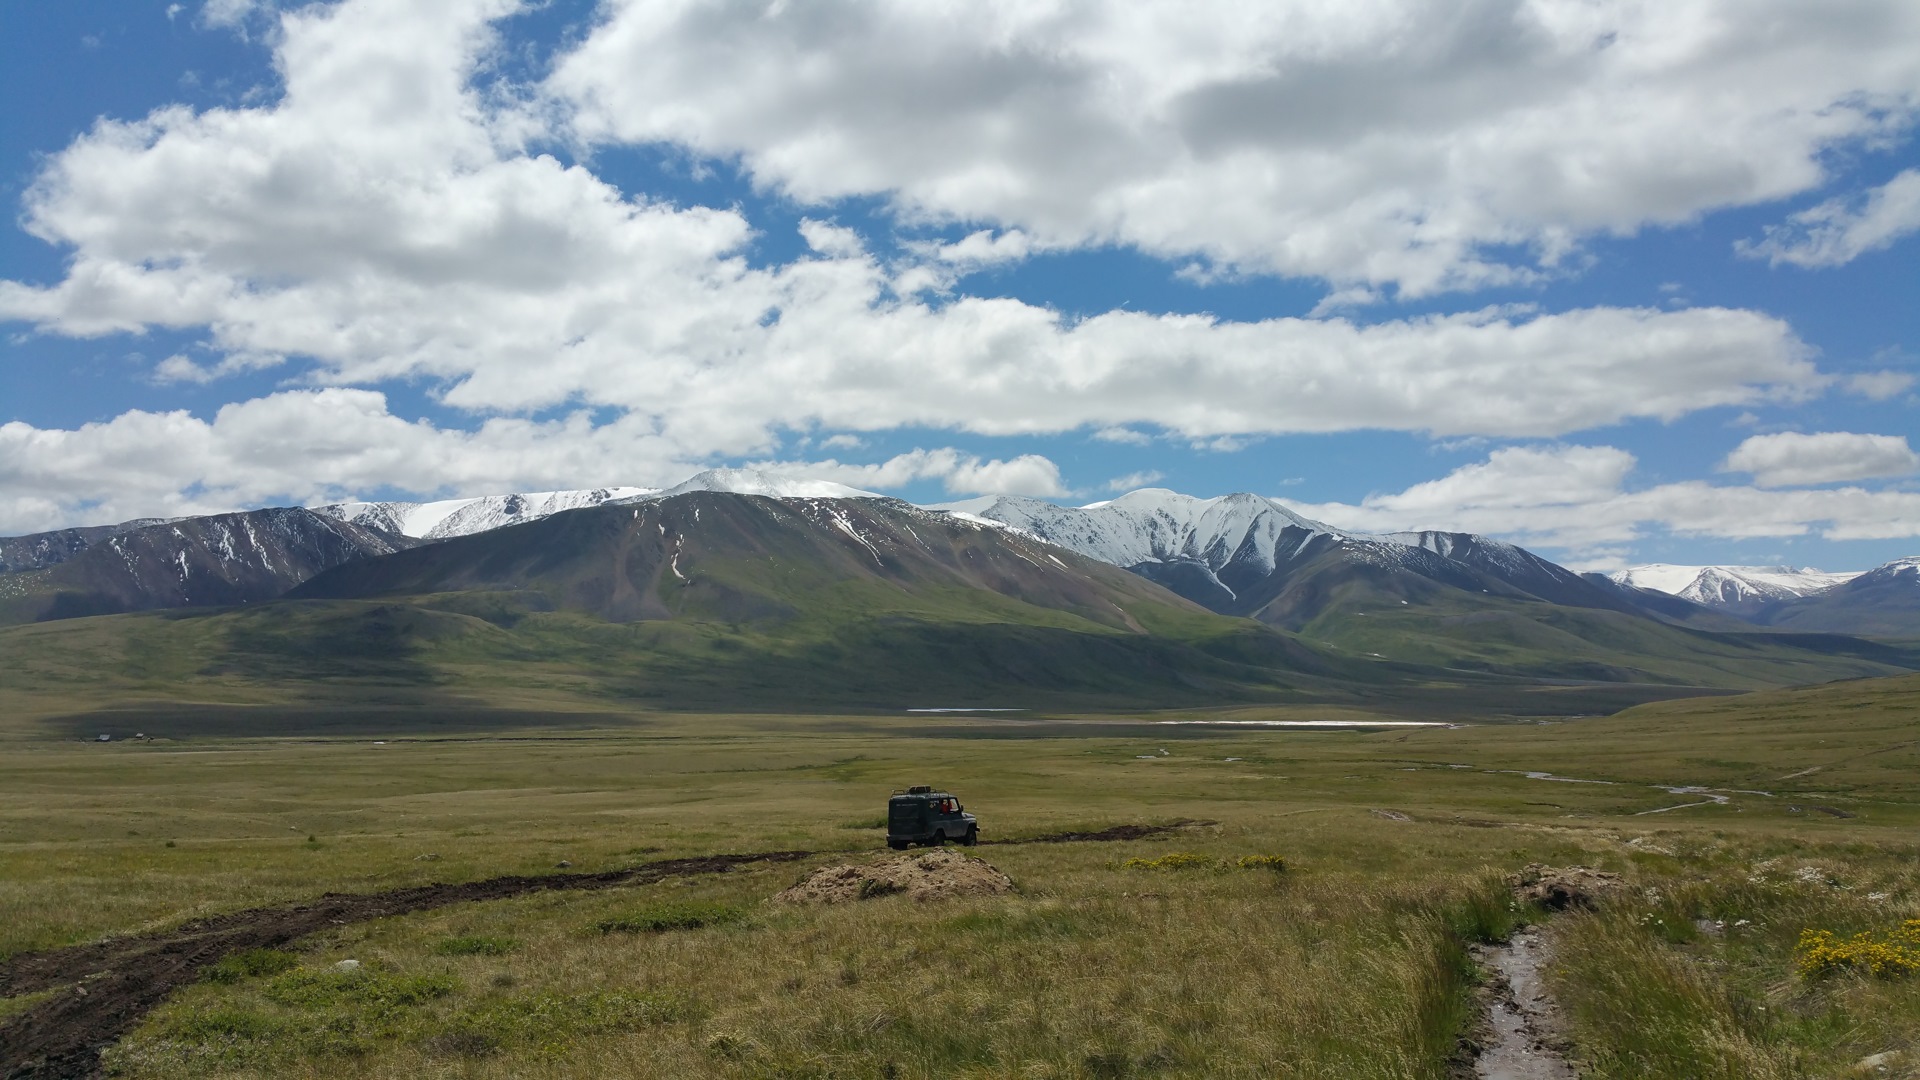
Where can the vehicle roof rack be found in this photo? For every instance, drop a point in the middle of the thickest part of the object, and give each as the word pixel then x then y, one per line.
pixel 920 789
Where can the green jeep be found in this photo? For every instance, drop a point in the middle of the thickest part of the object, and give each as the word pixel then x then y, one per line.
pixel 921 815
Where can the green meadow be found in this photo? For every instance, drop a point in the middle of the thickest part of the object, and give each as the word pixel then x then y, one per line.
pixel 1110 960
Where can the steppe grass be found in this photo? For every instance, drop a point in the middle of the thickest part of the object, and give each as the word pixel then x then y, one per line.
pixel 1216 974
pixel 1352 961
pixel 1703 973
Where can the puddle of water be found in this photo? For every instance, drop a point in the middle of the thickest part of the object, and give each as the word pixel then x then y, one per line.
pixel 1710 797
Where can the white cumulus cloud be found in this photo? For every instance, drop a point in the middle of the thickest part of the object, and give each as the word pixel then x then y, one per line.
pixel 1577 499
pixel 384 219
pixel 1791 459
pixel 1383 142
pixel 1839 231
pixel 327 445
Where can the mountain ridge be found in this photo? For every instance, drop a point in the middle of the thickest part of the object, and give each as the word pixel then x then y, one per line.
pixel 1743 589
pixel 212 561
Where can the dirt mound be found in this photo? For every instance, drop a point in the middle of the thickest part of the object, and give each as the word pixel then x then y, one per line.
pixel 929 875
pixel 1558 889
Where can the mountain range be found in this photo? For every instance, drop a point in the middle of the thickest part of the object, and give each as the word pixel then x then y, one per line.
pixel 218 560
pixel 1744 589
pixel 736 582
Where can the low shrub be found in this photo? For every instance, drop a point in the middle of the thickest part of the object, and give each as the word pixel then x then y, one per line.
pixel 673 915
pixel 1894 953
pixel 1178 860
pixel 1275 863
pixel 476 946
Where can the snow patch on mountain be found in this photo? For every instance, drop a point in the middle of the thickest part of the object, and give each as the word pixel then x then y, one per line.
pixel 761 482
pixel 1731 586
pixel 1907 569
pixel 464 517
pixel 1157 525
pixel 443 518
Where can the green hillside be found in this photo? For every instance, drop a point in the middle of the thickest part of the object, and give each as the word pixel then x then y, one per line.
pixel 1452 629
pixel 720 601
pixel 698 602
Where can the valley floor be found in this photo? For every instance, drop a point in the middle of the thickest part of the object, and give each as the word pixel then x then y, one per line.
pixel 1738 824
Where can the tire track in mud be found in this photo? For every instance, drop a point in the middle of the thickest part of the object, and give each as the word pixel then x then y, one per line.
pixel 111 985
pixel 1523 1027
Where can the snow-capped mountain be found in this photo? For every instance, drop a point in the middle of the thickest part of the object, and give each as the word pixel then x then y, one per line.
pixel 1883 602
pixel 41 550
pixel 216 560
pixel 1157 525
pixel 464 517
pixel 760 482
pixel 1734 588
pixel 1243 554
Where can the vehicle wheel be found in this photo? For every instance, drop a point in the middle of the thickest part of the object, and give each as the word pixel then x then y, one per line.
pixel 939 839
pixel 897 845
pixel 973 836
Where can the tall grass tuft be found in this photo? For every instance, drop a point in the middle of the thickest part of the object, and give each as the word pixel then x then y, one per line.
pixel 251 964
pixel 672 915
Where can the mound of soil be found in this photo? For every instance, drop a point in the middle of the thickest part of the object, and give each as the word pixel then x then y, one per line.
pixel 1558 889
pixel 928 875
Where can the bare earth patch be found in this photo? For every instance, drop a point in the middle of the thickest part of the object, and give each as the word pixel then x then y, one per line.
pixel 927 875
pixel 1560 888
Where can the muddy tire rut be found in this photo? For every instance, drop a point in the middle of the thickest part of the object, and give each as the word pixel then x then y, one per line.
pixel 1523 1034
pixel 107 987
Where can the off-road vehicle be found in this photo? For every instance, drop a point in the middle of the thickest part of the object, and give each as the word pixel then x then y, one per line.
pixel 921 815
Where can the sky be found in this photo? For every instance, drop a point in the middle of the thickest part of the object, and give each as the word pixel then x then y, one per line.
pixel 1624 282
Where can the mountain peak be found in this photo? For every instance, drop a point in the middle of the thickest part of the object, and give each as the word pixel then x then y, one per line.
pixel 761 482
pixel 1731 587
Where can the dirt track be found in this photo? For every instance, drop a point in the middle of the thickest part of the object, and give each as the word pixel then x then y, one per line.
pixel 116 982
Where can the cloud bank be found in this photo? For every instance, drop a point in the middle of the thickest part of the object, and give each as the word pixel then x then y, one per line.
pixel 399 212
pixel 1386 143
pixel 1577 499
pixel 1790 459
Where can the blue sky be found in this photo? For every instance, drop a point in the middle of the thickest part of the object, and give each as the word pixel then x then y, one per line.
pixel 1623 286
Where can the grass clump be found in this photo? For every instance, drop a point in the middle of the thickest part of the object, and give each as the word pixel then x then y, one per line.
pixel 672 915
pixel 1488 913
pixel 374 992
pixel 1178 860
pixel 251 964
pixel 1274 863
pixel 1895 953
pixel 476 946
pixel 224 1024
pixel 551 1022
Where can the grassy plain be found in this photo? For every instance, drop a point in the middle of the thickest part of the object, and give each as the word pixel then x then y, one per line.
pixel 1350 963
